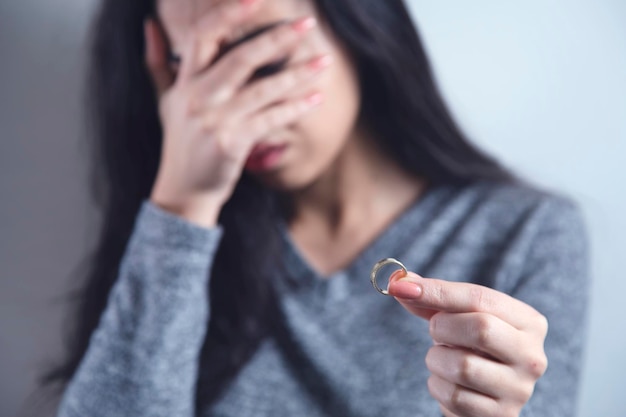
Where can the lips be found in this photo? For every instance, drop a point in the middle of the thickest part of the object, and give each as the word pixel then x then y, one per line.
pixel 265 156
pixel 263 148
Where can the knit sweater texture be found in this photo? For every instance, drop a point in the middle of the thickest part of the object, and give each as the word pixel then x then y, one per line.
pixel 344 349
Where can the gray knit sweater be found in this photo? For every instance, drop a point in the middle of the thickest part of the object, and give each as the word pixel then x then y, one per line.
pixel 347 350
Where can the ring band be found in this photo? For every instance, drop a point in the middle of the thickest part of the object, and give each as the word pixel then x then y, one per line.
pixel 377 267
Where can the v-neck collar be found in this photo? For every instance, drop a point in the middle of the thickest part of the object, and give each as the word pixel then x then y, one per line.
pixel 388 243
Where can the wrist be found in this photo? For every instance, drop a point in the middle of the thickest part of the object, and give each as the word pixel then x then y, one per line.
pixel 201 212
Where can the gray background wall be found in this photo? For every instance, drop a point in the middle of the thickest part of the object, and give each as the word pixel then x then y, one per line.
pixel 540 84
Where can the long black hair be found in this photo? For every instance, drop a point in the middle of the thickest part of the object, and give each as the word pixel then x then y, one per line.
pixel 401 106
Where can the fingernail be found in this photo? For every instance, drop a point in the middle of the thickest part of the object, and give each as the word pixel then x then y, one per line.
pixel 304 23
pixel 405 289
pixel 411 277
pixel 314 99
pixel 320 62
pixel 396 275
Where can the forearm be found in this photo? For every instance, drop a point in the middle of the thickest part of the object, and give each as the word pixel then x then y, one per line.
pixel 142 358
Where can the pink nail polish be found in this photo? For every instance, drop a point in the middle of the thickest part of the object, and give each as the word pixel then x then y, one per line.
pixel 320 62
pixel 303 24
pixel 405 289
pixel 396 275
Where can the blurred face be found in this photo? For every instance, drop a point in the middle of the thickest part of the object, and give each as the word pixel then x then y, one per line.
pixel 310 145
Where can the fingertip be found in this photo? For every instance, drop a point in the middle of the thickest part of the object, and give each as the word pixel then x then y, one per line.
pixel 414 275
pixel 405 284
pixel 411 277
pixel 395 276
pixel 405 289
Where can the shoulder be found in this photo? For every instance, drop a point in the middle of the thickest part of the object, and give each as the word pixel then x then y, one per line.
pixel 522 230
pixel 501 218
pixel 536 224
pixel 514 204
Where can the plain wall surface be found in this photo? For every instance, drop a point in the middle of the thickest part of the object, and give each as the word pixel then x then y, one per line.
pixel 43 198
pixel 540 84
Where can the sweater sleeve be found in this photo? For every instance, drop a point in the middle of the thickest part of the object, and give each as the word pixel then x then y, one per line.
pixel 555 281
pixel 142 358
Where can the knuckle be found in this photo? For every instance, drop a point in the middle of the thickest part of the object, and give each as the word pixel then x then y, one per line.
pixel 430 384
pixel 483 331
pixel 190 106
pixel 209 119
pixel 526 391
pixel 458 400
pixel 479 299
pixel 537 365
pixel 220 95
pixel 429 360
pixel 467 372
pixel 222 141
pixel 433 325
pixel 207 129
pixel 439 296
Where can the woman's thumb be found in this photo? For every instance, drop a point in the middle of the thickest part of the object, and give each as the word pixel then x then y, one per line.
pixel 156 57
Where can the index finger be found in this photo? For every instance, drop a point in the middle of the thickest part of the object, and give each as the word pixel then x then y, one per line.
pixel 427 296
pixel 210 30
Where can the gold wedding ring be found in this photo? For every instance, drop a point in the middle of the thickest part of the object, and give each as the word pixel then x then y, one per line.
pixel 377 267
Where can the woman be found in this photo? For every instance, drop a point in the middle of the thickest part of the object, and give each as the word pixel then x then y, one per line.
pixel 266 155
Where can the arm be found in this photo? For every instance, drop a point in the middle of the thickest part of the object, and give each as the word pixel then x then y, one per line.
pixel 556 283
pixel 142 358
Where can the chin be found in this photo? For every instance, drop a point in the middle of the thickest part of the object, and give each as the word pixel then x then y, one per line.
pixel 287 180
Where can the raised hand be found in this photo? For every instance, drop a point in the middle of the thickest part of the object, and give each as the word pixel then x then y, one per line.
pixel 212 117
pixel 489 347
